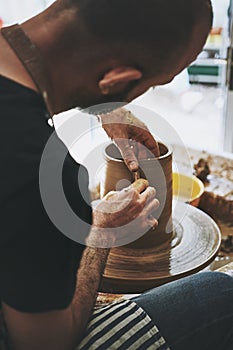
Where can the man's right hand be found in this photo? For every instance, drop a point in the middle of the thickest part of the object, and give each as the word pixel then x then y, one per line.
pixel 124 215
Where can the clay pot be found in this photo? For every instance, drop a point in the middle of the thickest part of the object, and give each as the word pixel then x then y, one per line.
pixel 158 171
pixel 163 255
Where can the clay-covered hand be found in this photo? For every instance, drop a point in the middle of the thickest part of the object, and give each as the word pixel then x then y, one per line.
pixel 123 216
pixel 131 136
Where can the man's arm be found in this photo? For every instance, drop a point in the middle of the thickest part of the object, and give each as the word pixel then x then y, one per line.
pixel 63 330
pixel 59 330
pixel 89 278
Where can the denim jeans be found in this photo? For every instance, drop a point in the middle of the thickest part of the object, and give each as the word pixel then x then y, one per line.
pixel 194 313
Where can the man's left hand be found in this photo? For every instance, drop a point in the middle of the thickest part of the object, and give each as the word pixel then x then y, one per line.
pixel 131 136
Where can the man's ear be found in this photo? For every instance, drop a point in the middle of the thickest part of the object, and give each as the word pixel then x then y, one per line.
pixel 118 76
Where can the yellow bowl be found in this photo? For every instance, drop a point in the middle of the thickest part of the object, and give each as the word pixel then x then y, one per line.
pixel 188 189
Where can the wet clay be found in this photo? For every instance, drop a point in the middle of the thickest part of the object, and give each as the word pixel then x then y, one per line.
pixel 175 249
pixel 158 172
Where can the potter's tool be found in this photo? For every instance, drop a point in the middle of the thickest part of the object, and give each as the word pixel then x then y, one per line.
pixel 136 175
pixel 139 174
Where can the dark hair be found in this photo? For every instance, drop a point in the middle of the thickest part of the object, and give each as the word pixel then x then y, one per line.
pixel 160 30
pixel 145 20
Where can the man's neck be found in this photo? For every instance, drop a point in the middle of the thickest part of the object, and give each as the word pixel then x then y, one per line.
pixel 71 57
pixel 53 39
pixel 45 34
pixel 11 67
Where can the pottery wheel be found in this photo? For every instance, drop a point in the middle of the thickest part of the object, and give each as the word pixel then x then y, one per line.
pixel 195 244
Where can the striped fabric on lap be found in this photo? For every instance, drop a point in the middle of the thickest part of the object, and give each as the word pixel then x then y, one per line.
pixel 122 325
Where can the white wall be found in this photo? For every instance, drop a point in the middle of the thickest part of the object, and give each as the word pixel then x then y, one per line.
pixel 13 11
pixel 220 12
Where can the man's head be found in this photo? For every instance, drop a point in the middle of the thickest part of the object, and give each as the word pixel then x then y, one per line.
pixel 131 45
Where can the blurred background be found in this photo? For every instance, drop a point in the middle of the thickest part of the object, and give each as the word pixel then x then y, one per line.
pixel 199 102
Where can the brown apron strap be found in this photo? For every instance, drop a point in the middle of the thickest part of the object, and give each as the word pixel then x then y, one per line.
pixel 30 56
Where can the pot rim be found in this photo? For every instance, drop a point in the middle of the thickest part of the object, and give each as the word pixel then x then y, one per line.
pixel 166 155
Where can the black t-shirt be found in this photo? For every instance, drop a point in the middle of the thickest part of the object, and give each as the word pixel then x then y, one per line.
pixel 38 263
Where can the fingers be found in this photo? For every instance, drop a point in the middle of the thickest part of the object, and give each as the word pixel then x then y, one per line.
pixel 140 185
pixel 151 207
pixel 148 194
pixel 141 134
pixel 128 154
pixel 152 144
pixel 136 187
pixel 144 137
pixel 143 152
pixel 146 218
pixel 124 128
pixel 147 206
pixel 132 195
pixel 123 207
pixel 150 203
pixel 145 147
pixel 152 223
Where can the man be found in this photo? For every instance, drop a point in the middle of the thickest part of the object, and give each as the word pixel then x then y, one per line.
pixel 81 53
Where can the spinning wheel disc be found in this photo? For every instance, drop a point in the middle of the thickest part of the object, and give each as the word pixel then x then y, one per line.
pixel 194 245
